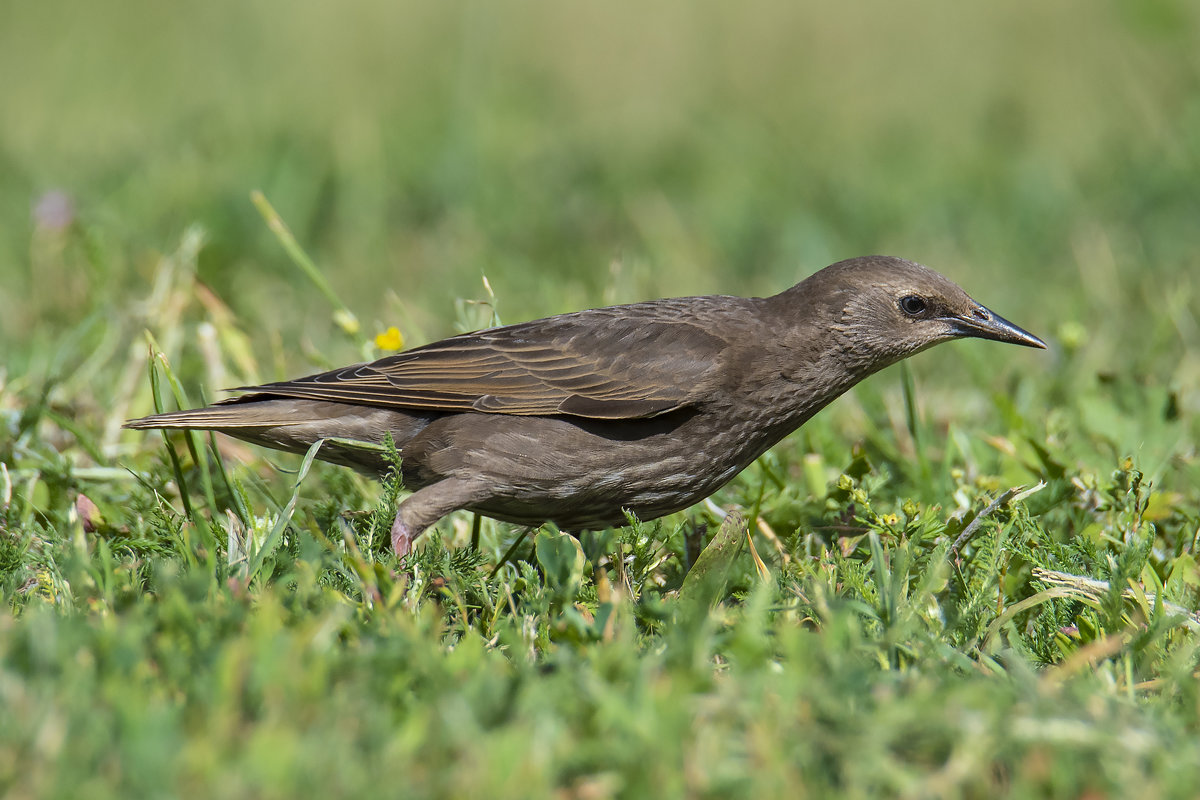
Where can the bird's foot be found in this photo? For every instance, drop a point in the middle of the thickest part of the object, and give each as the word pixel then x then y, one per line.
pixel 402 537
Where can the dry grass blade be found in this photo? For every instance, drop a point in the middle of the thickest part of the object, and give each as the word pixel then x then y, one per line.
pixel 1092 591
pixel 1015 494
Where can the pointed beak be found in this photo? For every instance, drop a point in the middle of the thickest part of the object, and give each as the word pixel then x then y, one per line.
pixel 982 323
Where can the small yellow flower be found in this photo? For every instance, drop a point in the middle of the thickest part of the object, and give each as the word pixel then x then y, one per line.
pixel 890 519
pixel 391 339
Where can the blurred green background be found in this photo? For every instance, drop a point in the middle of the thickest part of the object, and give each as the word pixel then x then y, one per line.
pixel 1047 156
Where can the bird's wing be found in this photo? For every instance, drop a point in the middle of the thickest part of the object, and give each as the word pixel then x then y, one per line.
pixel 617 363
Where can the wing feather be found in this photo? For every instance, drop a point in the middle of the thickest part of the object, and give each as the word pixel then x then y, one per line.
pixel 623 362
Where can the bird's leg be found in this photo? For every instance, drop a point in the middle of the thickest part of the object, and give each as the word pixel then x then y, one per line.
pixel 403 535
pixel 426 506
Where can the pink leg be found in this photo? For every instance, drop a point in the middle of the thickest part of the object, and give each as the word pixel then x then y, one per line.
pixel 403 536
pixel 426 506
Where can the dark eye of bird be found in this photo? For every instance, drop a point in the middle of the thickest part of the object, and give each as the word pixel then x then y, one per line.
pixel 912 305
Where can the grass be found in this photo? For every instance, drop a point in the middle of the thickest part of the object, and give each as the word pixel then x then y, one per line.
pixel 973 576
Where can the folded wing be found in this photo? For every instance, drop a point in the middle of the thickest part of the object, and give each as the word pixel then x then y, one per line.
pixel 614 363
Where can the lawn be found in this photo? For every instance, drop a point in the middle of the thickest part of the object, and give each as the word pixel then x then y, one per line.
pixel 975 575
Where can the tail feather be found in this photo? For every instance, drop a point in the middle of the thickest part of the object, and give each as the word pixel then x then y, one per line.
pixel 221 417
pixel 353 434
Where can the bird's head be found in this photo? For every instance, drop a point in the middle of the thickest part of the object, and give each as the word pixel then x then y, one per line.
pixel 883 309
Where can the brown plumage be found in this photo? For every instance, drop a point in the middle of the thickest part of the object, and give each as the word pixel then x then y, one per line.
pixel 581 417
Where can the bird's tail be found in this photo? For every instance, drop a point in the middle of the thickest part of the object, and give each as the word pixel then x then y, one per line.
pixel 353 435
pixel 223 417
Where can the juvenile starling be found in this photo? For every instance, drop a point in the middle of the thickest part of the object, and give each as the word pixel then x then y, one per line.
pixel 578 418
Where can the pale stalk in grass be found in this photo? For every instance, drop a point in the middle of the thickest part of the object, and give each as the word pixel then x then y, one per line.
pixel 342 315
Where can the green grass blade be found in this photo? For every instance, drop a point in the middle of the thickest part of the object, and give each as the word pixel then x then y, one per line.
pixel 913 420
pixel 285 517
pixel 160 407
pixel 706 579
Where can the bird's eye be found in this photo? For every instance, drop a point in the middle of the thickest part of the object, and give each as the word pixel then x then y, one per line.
pixel 912 305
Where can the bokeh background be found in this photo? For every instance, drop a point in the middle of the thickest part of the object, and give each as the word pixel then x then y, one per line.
pixel 1047 156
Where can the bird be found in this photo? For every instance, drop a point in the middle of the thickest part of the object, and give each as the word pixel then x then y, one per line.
pixel 583 418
